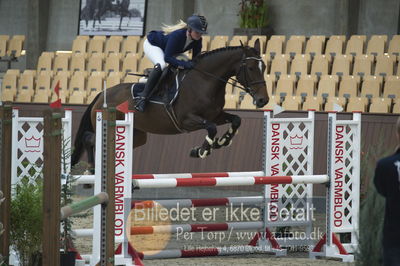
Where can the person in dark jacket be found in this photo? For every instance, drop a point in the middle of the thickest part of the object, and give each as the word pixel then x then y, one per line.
pixel 387 183
pixel 161 47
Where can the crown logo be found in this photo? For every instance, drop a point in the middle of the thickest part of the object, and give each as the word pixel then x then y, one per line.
pixel 296 141
pixel 32 144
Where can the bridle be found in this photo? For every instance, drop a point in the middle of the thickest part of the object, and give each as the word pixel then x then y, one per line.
pixel 242 69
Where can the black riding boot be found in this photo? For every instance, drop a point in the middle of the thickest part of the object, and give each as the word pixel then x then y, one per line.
pixel 150 84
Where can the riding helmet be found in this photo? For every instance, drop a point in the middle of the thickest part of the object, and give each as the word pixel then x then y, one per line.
pixel 197 23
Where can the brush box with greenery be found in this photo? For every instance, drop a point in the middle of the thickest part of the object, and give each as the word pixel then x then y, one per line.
pixel 26 221
pixel 253 18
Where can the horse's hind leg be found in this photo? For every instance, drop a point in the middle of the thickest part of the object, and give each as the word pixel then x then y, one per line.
pixel 196 122
pixel 226 138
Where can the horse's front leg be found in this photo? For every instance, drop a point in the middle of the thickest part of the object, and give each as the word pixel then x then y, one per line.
pixel 194 122
pixel 226 138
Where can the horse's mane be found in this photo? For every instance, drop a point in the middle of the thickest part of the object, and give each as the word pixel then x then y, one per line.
pixel 218 50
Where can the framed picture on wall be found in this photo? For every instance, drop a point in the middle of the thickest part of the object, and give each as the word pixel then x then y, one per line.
pixel 112 17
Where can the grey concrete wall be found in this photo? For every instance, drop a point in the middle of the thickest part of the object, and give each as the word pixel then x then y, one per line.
pixel 63 24
pixel 379 17
pixel 13 17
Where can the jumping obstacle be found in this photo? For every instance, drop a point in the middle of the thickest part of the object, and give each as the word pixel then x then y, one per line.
pixel 290 153
pixel 27 153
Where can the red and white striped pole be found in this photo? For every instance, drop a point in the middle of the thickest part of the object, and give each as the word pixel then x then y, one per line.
pixel 234 181
pixel 197 175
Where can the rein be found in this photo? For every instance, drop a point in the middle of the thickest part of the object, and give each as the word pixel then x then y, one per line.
pixel 242 67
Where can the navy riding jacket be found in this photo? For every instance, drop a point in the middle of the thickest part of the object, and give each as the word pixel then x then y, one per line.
pixel 387 183
pixel 173 44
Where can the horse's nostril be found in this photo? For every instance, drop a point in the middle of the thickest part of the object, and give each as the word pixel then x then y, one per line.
pixel 261 102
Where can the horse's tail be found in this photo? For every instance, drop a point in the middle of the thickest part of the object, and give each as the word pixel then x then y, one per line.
pixel 84 126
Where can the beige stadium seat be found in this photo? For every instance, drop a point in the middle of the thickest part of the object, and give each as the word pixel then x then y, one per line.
pixel 356 104
pixel 113 63
pixel 9 87
pixel 42 91
pixel 95 83
pixel 285 86
pixel 77 97
pixel 327 86
pixel 95 62
pixel 371 86
pixel 144 63
pixel 274 47
pixel 279 37
pixel 315 46
pixel 231 101
pixel 355 46
pixel 331 101
pixel 338 37
pixel 236 39
pixel 77 81
pixel 348 86
pixel 363 65
pixel 61 62
pixel 270 82
pixel 100 37
pixel 306 86
pixel 130 64
pixel 247 103
pixel 78 61
pixel 130 45
pixel 83 37
pixel 280 65
pixel 3 44
pixel 218 41
pixel 394 46
pixel 302 38
pixel 113 45
pixel 131 79
pixel 26 81
pixel 361 37
pixel 320 65
pixel 396 108
pixel 205 42
pixel 140 47
pixel 45 61
pixel 342 64
pixel 376 45
pixel 385 65
pixel 392 87
pixel 96 45
pixel 300 65
pixel 295 45
pixel 15 45
pixel 79 45
pixel 292 103
pixel 114 78
pixel 380 105
pixel 312 103
pixel 334 47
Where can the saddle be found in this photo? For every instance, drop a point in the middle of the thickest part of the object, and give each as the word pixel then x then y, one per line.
pixel 167 88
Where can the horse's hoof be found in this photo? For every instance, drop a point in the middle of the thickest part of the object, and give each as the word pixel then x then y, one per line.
pixel 194 153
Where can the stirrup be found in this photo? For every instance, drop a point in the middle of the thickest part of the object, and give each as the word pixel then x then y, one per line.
pixel 140 103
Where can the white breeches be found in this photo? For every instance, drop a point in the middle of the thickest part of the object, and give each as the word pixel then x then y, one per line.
pixel 154 53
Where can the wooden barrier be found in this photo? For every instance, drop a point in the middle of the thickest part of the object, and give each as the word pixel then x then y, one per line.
pixel 5 178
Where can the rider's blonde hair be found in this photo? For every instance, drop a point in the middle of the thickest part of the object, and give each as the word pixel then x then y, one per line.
pixel 170 28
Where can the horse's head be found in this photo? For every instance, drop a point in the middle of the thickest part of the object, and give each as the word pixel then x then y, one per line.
pixel 250 74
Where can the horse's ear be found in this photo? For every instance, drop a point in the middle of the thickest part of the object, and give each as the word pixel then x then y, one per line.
pixel 257 46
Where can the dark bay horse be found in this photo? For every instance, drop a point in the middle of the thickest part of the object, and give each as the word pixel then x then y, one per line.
pixel 95 9
pixel 199 104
